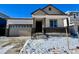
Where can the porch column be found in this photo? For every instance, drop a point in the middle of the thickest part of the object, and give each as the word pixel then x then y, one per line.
pixel 6 31
pixel 44 30
pixel 33 23
pixel 33 27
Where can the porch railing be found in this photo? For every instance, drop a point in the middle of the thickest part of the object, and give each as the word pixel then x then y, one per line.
pixel 56 30
pixel 51 30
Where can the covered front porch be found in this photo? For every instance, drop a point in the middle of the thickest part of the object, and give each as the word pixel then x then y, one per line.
pixel 50 24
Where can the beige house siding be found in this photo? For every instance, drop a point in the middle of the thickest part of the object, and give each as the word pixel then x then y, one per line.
pixel 39 12
pixel 19 21
pixel 53 10
pixel 47 23
pixel 60 22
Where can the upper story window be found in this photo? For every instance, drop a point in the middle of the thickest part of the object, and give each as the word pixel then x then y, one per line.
pixel 77 14
pixel 49 9
pixel 74 15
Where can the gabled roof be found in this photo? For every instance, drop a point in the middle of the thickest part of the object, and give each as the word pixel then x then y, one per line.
pixel 53 7
pixel 48 13
pixel 38 10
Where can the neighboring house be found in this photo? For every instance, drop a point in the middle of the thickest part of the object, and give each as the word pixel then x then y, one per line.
pixel 46 20
pixel 74 20
pixel 3 23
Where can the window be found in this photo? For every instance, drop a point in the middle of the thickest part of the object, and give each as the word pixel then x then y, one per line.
pixel 49 9
pixel 77 14
pixel 53 23
pixel 74 15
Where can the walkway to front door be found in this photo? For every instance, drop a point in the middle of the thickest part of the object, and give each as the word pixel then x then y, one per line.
pixel 38 26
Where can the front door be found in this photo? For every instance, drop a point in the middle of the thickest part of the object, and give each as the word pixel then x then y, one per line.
pixel 38 26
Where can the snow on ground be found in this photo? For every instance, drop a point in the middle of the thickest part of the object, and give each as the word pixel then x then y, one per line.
pixel 52 45
pixel 5 49
pixel 12 45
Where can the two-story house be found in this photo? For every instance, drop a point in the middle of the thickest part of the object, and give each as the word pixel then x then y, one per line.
pixel 74 20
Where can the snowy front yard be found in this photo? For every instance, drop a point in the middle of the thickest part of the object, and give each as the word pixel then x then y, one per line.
pixel 11 45
pixel 26 45
pixel 52 45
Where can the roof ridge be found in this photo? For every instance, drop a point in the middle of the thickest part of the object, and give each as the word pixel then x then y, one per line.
pixel 54 7
pixel 42 9
pixel 39 9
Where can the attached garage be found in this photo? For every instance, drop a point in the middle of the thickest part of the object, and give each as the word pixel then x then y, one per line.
pixel 19 27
